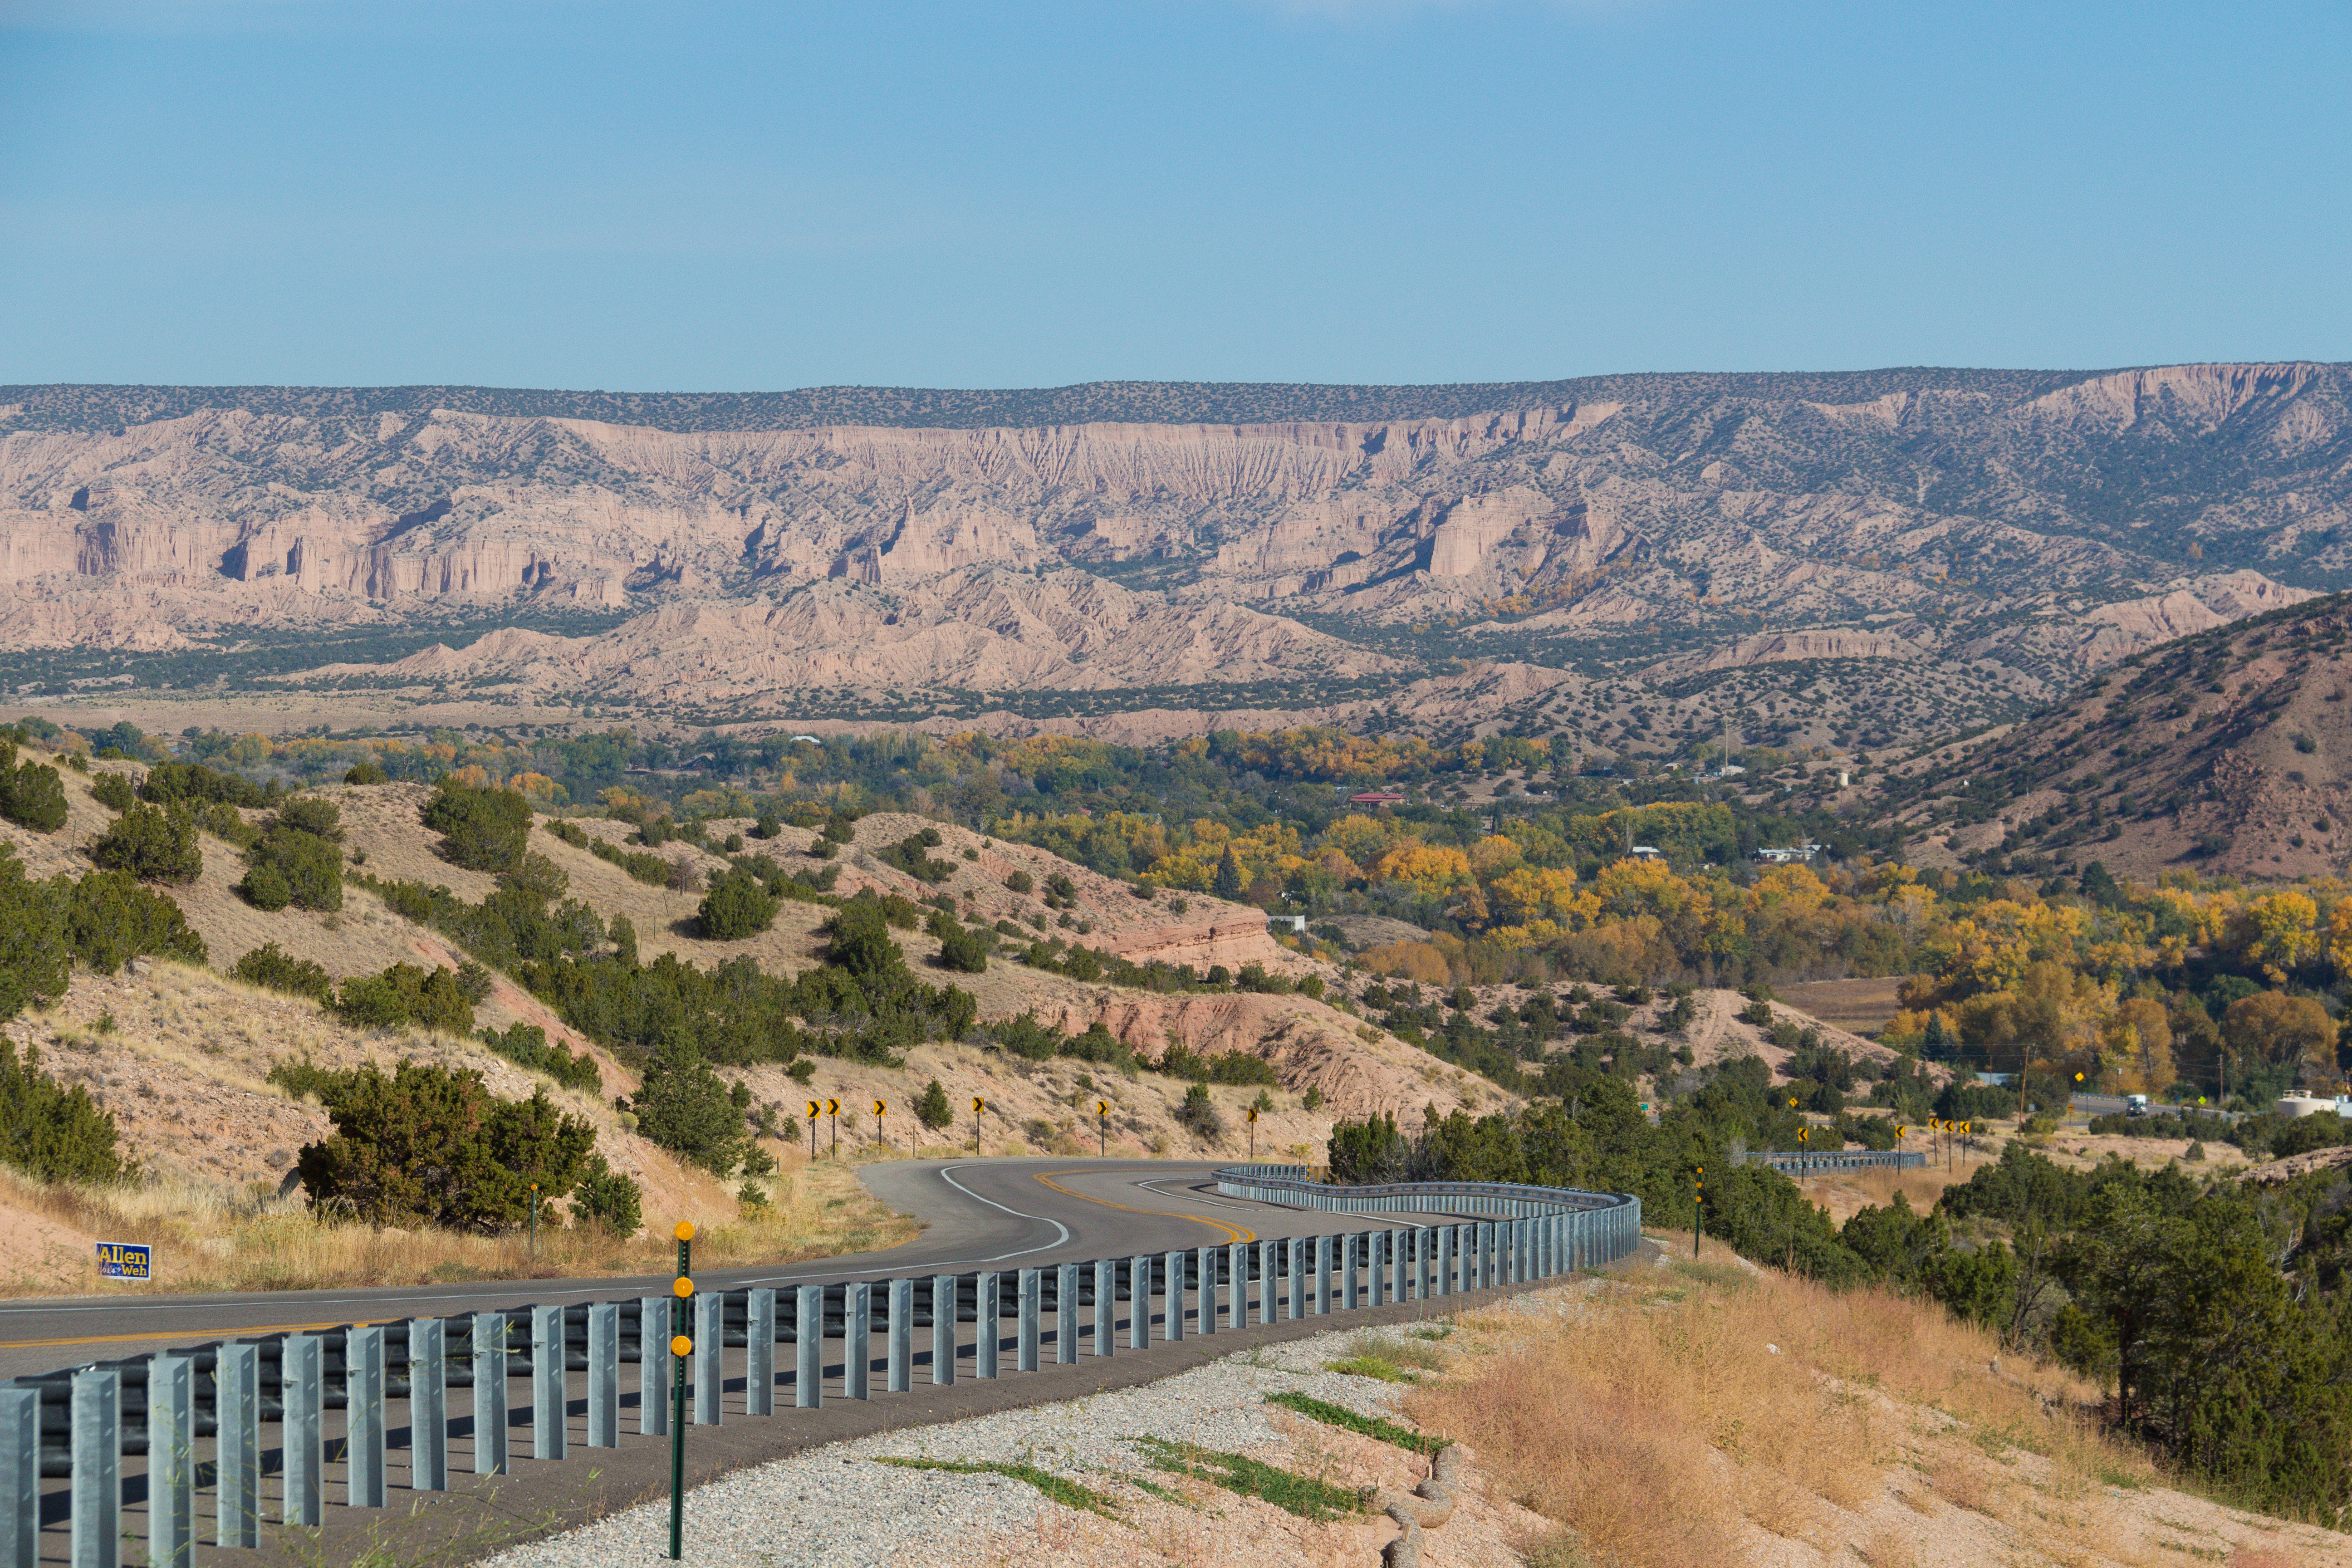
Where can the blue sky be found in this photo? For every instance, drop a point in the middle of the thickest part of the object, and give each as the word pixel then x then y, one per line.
pixel 683 197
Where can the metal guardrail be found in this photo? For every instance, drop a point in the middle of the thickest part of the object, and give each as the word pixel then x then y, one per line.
pixel 1590 1228
pixel 1791 1163
pixel 205 1419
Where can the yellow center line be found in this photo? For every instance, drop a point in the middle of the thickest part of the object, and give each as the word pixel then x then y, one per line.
pixel 1233 1232
pixel 172 1334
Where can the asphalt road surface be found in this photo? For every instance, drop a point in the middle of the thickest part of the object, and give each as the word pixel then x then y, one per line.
pixel 976 1213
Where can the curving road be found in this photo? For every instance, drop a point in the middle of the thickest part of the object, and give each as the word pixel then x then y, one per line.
pixel 975 1214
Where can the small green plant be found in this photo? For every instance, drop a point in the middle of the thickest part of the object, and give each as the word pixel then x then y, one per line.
pixel 1308 1498
pixel 1059 1488
pixel 1347 1420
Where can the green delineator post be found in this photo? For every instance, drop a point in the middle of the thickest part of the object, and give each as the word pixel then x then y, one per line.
pixel 1698 1212
pixel 679 1345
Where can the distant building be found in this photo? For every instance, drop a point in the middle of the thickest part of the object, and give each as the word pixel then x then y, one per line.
pixel 1295 924
pixel 1728 770
pixel 1782 855
pixel 1376 797
pixel 1646 852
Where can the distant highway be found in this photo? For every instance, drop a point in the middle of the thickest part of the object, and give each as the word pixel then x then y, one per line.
pixel 1018 1214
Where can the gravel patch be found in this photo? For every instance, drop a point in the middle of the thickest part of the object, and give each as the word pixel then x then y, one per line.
pixel 837 1507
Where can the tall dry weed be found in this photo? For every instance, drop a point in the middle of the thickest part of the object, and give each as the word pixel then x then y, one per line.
pixel 1658 1429
pixel 215 1239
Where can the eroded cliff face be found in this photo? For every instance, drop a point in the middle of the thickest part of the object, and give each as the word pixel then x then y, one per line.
pixel 2045 523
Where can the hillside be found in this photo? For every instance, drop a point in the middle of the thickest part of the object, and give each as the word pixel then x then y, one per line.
pixel 180 1055
pixel 1845 561
pixel 2227 750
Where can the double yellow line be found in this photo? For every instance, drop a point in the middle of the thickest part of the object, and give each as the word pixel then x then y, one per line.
pixel 1233 1232
pixel 172 1334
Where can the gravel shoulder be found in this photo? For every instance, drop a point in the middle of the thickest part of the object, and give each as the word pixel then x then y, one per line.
pixel 844 1506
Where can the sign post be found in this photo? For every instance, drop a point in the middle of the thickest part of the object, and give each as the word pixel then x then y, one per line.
pixel 681 1347
pixel 1252 1127
pixel 833 1110
pixel 881 1107
pixel 813 1116
pixel 1102 1129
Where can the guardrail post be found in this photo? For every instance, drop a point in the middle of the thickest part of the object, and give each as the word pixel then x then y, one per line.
pixel 1204 1261
pixel 709 1357
pixel 364 1420
pixel 428 1406
pixel 1296 1277
pixel 1323 1276
pixel 1348 1298
pixel 1445 1258
pixel 808 1347
pixel 1024 1354
pixel 1171 1321
pixel 902 1335
pixel 759 1352
pixel 1237 1261
pixel 652 1364
pixel 857 1340
pixel 1264 1283
pixel 1106 1307
pixel 943 1329
pixel 1065 1315
pixel 489 1394
pixel 96 1436
pixel 20 1478
pixel 605 1375
pixel 1399 1246
pixel 988 1322
pixel 302 1390
pixel 172 1461
pixel 236 1451
pixel 1138 1304
pixel 1375 1278
pixel 548 1390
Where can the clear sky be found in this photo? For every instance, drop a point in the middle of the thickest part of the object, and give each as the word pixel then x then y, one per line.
pixel 717 196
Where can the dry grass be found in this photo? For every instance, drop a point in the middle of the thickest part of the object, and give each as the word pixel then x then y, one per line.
pixel 217 1240
pixel 1660 1426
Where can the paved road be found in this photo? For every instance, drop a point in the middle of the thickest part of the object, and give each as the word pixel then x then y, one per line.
pixel 976 1213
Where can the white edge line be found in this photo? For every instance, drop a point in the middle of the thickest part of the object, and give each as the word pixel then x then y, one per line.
pixel 946 1174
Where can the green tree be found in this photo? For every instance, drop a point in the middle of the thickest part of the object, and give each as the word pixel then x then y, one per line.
pixel 404 994
pixel 931 1108
pixel 482 830
pixel 1228 883
pixel 737 906
pixel 433 1144
pixel 272 968
pixel 152 844
pixel 51 1133
pixel 293 865
pixel 606 1197
pixel 113 791
pixel 32 796
pixel 36 947
pixel 859 939
pixel 111 919
pixel 686 1108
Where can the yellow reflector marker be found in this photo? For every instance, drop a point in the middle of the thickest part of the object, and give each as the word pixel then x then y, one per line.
pixel 681 1346
pixel 685 1231
pixel 684 1287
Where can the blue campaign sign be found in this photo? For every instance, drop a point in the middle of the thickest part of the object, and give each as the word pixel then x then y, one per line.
pixel 125 1260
